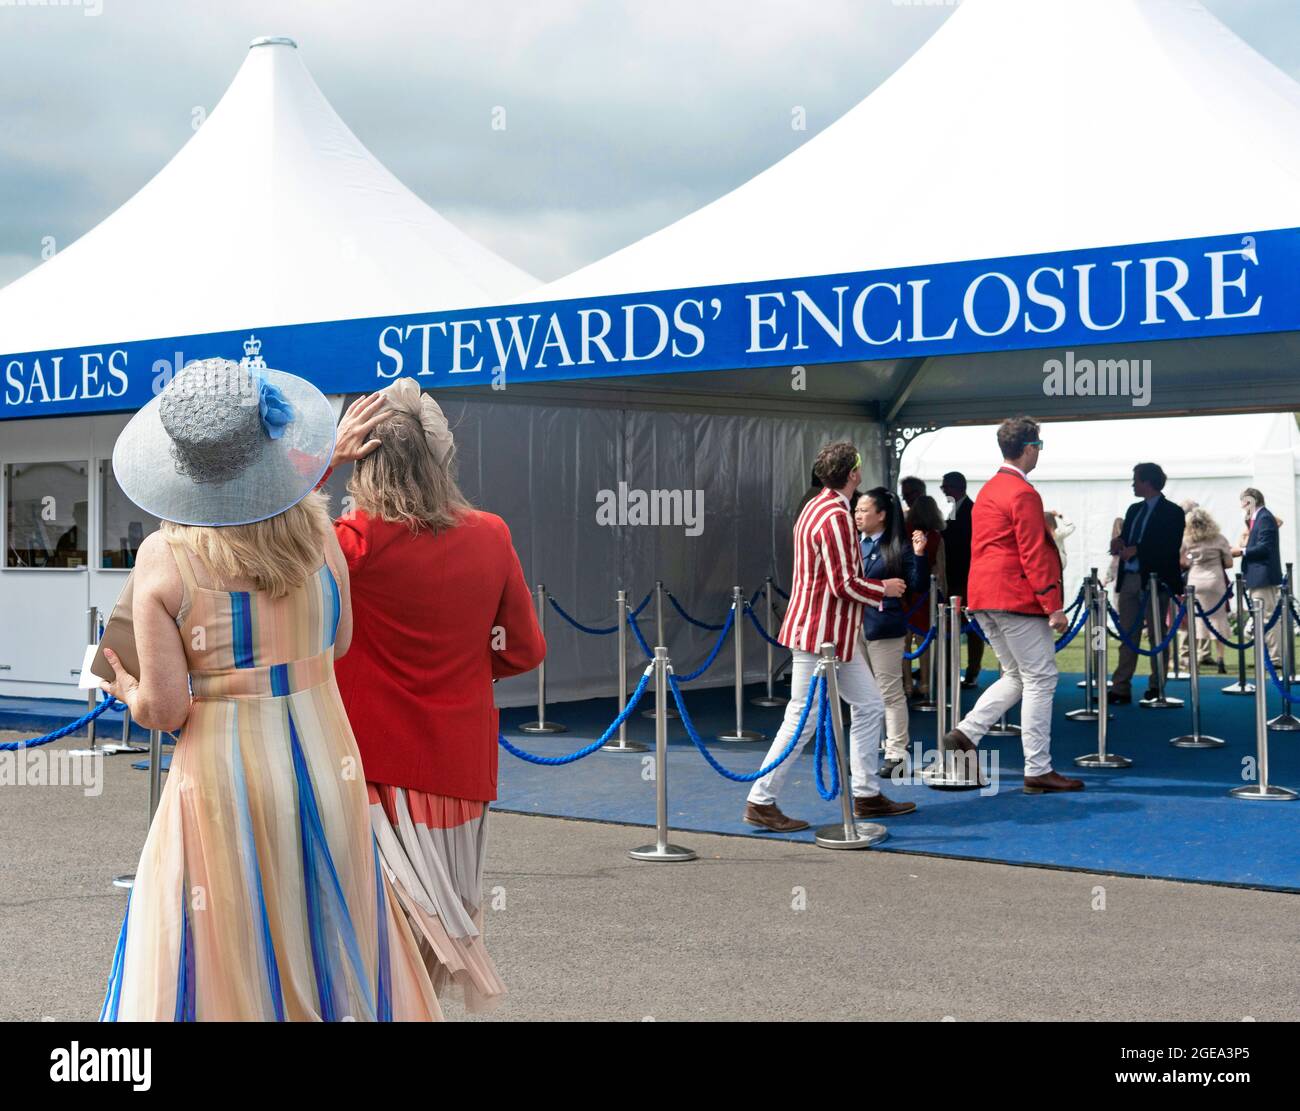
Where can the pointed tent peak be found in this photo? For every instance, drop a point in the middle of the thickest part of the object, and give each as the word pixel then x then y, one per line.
pixel 273 212
pixel 1020 126
pixel 273 40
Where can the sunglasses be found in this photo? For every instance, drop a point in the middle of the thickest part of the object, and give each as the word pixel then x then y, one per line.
pixel 1034 443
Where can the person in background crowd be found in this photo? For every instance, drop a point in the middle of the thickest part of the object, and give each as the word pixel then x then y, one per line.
pixel 814 488
pixel 889 553
pixel 827 594
pixel 1112 570
pixel 956 542
pixel 1016 597
pixel 924 517
pixel 911 488
pixel 1150 541
pixel 441 610
pixel 241 614
pixel 1261 563
pixel 1061 529
pixel 1207 557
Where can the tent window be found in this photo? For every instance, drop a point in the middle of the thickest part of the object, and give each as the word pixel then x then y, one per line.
pixel 46 514
pixel 123 525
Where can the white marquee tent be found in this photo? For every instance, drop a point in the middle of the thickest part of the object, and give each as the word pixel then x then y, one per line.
pixel 1086 472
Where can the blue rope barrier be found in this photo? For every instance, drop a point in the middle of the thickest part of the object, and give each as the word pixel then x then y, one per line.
pixel 1289 699
pixel 1277 613
pixel 753 620
pixel 644 602
pixel 919 650
pixel 973 626
pixel 725 628
pixel 780 591
pixel 636 632
pixel 824 731
pixel 578 624
pixel 58 735
pixel 1227 594
pixel 736 777
pixel 756 595
pixel 699 624
pixel 1174 626
pixel 1070 634
pixel 600 742
pixel 1119 634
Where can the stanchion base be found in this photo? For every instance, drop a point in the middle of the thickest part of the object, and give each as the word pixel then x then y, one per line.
pixel 1237 688
pixel 543 727
pixel 1087 715
pixel 763 700
pixel 1084 682
pixel 1164 702
pixel 1179 676
pixel 114 750
pixel 1264 794
pixel 926 707
pixel 1007 730
pixel 669 853
pixel 669 713
pixel 866 834
pixel 127 881
pixel 948 779
pixel 1196 740
pixel 1096 760
pixel 737 735
pixel 624 746
pixel 1285 722
pixel 88 751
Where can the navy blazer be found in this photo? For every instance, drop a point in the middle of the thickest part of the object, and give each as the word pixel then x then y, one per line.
pixel 888 621
pixel 1261 559
pixel 1160 546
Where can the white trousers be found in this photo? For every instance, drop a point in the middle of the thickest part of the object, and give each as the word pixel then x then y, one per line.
pixel 858 689
pixel 885 658
pixel 1026 649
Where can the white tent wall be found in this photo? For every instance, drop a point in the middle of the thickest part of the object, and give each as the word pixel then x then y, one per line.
pixel 541 467
pixel 1086 471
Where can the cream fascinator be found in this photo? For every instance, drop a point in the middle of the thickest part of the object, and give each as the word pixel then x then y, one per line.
pixel 405 396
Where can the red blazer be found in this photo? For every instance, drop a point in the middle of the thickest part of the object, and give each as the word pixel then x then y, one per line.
pixel 417 681
pixel 1014 563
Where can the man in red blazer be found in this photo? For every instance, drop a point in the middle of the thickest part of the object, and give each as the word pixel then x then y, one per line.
pixel 1015 595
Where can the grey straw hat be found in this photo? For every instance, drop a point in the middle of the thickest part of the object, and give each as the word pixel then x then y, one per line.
pixel 226 443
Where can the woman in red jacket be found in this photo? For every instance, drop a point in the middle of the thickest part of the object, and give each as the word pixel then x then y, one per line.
pixel 440 609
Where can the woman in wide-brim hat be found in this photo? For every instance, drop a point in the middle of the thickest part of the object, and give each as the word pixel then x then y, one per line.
pixel 441 610
pixel 259 894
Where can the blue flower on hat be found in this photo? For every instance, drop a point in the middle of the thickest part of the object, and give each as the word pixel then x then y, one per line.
pixel 275 410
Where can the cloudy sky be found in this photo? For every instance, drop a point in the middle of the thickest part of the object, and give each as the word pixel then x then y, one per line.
pixel 623 115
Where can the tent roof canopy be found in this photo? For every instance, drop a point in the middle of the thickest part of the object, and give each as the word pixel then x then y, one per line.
pixel 273 213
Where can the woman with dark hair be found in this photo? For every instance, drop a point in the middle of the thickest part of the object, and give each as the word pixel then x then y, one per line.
pixel 888 553
pixel 925 517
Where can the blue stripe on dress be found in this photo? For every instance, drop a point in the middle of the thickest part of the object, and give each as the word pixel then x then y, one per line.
pixel 328 921
pixel 332 607
pixel 383 991
pixel 253 874
pixel 185 966
pixel 113 996
pixel 279 680
pixel 241 622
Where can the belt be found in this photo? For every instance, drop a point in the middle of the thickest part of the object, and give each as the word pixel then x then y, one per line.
pixel 272 681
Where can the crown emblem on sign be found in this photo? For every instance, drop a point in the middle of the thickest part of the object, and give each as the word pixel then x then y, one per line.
pixel 252 359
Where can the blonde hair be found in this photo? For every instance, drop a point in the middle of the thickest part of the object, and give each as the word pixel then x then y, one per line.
pixel 1200 527
pixel 277 554
pixel 402 482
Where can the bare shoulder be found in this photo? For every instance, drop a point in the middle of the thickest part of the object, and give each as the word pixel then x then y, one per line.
pixel 156 573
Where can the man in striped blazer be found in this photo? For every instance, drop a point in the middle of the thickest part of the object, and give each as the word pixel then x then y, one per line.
pixel 827 594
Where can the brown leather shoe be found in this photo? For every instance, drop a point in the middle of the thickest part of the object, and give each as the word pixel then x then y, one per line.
pixel 955 738
pixel 878 806
pixel 770 817
pixel 1052 781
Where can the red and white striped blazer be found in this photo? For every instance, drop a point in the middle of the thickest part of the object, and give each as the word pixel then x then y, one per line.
pixel 828 590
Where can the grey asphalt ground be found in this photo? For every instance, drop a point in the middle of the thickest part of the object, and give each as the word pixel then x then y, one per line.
pixel 583 932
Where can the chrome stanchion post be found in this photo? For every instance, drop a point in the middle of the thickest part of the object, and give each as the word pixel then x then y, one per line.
pixel 1261 790
pixel 1194 739
pixel 92 695
pixel 945 775
pixel 659 639
pixel 661 849
pixel 930 703
pixel 848 833
pixel 155 793
pixel 1241 686
pixel 1092 589
pixel 771 698
pixel 622 744
pixel 1162 700
pixel 541 725
pixel 740 733
pixel 1101 758
pixel 1286 721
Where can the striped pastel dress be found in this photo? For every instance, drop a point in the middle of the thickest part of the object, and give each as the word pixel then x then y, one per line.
pixel 259 894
